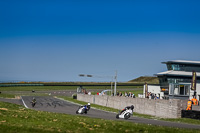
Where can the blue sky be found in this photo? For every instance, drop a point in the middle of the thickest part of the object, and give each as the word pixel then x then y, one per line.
pixel 50 40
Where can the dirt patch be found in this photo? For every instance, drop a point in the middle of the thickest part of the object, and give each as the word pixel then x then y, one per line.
pixel 3 109
pixel 17 97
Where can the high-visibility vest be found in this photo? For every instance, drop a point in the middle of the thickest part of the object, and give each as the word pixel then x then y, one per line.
pixel 189 103
pixel 195 101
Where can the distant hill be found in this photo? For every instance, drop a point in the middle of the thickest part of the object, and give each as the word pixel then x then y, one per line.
pixel 147 79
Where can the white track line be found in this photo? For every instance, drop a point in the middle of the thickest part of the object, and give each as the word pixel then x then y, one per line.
pixel 24 103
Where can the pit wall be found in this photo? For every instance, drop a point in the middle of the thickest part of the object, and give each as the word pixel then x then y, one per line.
pixel 159 108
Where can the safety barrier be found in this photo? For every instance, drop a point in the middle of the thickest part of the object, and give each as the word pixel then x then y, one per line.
pixel 193 114
pixel 13 85
pixel 160 108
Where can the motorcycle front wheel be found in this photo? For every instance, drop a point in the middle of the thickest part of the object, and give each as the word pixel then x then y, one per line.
pixel 117 116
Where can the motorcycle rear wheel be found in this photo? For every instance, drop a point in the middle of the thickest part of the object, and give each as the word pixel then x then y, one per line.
pixel 126 116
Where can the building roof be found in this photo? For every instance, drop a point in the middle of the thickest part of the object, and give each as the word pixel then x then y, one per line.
pixel 177 73
pixel 183 62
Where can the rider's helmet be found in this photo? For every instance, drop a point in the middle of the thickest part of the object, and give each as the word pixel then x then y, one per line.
pixel 132 107
pixel 89 104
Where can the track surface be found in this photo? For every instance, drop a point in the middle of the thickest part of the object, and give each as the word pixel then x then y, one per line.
pixel 51 104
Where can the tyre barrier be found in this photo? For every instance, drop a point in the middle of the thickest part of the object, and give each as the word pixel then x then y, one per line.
pixel 74 97
pixel 190 114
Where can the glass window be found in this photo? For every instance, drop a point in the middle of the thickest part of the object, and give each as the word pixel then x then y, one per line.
pixel 169 66
pixel 181 89
pixel 176 92
pixel 186 89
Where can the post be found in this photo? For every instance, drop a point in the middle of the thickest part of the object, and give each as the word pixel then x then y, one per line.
pixel 146 89
pixel 115 83
pixel 193 84
pixel 111 88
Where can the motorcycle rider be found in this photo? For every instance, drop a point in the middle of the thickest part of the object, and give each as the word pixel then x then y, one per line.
pixel 33 102
pixel 127 108
pixel 87 107
pixel 84 108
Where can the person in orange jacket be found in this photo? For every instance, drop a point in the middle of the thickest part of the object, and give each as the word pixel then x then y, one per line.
pixel 194 101
pixel 189 105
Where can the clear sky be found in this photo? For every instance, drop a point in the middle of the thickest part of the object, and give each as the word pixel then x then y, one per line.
pixel 54 40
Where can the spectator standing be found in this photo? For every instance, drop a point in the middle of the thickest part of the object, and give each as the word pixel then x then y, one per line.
pixel 150 95
pixel 117 93
pixel 125 94
pixel 194 101
pixel 129 95
pixel 155 97
pixel 189 105
pixel 133 95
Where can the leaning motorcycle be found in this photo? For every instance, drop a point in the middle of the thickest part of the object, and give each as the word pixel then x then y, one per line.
pixel 33 103
pixel 125 114
pixel 83 109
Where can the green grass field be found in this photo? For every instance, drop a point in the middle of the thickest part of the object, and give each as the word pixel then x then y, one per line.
pixel 37 88
pixel 27 90
pixel 45 88
pixel 15 118
pixel 7 95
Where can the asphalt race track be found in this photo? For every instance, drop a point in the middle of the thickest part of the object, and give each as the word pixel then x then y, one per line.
pixel 51 104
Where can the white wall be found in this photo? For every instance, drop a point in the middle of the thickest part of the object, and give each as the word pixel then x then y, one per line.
pixel 155 89
pixel 197 92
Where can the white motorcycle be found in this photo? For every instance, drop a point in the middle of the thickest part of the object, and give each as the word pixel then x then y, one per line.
pixel 125 113
pixel 83 109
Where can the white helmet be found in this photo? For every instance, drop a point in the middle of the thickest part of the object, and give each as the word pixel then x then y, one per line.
pixel 88 103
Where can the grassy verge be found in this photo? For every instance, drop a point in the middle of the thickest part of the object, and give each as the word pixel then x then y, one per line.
pixel 183 120
pixel 5 95
pixel 179 120
pixel 15 118
pixel 37 88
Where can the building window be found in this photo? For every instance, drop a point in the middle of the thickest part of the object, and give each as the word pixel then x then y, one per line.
pixel 184 89
pixel 181 89
pixel 177 89
pixel 187 89
pixel 169 66
pixel 175 67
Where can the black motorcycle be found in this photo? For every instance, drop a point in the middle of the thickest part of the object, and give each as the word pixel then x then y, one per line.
pixel 33 103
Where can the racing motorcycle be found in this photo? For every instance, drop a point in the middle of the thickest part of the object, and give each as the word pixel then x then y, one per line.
pixel 33 102
pixel 83 109
pixel 125 113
